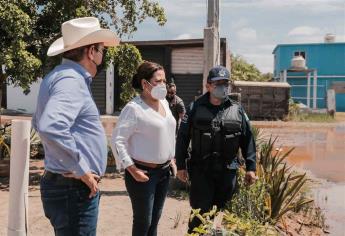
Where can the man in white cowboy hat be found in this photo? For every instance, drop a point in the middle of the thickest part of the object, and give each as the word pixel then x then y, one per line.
pixel 69 125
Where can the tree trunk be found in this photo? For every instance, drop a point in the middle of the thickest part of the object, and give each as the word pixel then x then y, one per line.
pixel 2 84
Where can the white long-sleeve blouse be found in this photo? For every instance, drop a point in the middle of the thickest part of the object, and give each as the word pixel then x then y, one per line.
pixel 143 134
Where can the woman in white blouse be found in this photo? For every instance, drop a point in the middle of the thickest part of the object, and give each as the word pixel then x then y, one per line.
pixel 144 141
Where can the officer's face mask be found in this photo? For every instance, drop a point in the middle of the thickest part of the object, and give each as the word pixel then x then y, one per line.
pixel 159 91
pixel 220 91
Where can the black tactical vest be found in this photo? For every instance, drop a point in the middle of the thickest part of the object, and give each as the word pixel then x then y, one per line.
pixel 216 135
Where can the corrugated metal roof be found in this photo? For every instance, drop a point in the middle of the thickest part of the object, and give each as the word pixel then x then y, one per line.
pixel 98 88
pixel 262 84
pixel 169 42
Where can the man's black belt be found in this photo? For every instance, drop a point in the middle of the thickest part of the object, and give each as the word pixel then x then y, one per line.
pixel 59 179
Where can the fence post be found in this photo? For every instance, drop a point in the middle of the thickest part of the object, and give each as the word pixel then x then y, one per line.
pixel 19 178
pixel 331 102
pixel 109 98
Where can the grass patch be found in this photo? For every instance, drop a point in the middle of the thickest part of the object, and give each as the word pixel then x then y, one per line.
pixel 312 117
pixel 295 114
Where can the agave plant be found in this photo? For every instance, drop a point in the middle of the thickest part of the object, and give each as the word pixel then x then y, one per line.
pixel 4 148
pixel 34 137
pixel 271 159
pixel 283 186
pixel 284 191
pixel 257 133
pixel 5 151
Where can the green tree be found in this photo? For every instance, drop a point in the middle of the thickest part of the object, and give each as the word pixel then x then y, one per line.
pixel 242 70
pixel 267 76
pixel 121 15
pixel 28 27
pixel 16 23
pixel 126 58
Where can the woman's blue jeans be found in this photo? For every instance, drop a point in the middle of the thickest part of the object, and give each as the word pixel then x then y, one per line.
pixel 147 200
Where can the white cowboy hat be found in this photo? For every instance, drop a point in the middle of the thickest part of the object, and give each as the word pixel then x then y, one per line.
pixel 81 32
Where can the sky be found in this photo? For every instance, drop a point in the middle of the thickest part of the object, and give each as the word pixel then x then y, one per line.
pixel 252 27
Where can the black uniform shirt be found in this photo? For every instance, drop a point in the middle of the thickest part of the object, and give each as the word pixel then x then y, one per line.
pixel 247 143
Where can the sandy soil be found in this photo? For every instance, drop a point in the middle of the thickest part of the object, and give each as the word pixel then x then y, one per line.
pixel 115 208
pixel 115 211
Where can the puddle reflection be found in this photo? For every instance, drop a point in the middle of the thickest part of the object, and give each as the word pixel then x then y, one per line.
pixel 321 151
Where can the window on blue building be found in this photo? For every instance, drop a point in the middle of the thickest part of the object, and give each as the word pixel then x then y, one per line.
pixel 300 53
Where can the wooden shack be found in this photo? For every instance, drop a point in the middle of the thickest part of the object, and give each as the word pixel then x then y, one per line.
pixel 264 100
pixel 183 62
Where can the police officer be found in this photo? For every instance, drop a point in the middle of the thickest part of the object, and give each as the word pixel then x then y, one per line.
pixel 176 104
pixel 217 127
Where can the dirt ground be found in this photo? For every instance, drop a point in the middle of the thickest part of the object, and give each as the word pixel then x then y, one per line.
pixel 115 217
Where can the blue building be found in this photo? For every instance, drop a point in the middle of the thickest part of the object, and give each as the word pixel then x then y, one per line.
pixel 325 67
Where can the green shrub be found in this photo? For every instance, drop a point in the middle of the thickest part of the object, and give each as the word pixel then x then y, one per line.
pixel 250 202
pixel 126 58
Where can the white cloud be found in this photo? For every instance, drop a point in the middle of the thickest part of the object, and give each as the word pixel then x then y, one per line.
pixel 184 9
pixel 184 36
pixel 315 6
pixel 306 39
pixel 239 23
pixel 268 47
pixel 263 61
pixel 246 34
pixel 304 31
pixel 307 34
pixel 340 38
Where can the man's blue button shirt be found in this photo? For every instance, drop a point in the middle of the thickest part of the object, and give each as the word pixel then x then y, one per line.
pixel 68 122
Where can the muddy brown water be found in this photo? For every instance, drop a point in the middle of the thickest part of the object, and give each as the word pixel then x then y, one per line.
pixel 320 150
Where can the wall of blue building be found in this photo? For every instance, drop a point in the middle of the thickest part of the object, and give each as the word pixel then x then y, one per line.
pixel 328 59
pixel 299 90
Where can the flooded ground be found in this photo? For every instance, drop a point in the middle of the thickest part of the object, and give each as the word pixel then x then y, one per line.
pixel 319 149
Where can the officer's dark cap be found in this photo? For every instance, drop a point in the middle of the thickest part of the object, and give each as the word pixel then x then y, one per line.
pixel 218 73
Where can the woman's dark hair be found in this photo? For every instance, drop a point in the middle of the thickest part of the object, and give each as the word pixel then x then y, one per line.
pixel 145 71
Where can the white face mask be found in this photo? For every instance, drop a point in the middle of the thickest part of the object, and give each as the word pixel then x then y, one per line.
pixel 220 92
pixel 159 91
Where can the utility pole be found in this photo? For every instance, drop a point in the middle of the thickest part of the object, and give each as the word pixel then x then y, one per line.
pixel 211 39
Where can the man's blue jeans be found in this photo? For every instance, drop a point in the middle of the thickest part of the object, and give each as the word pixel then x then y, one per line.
pixel 67 205
pixel 147 200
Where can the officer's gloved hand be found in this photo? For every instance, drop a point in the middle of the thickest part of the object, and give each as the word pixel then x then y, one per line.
pixel 182 175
